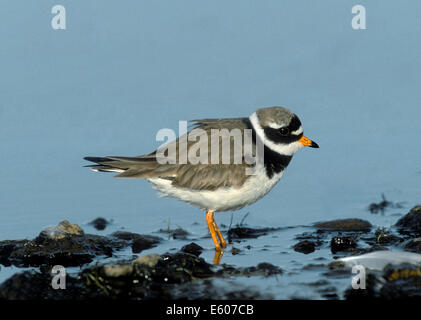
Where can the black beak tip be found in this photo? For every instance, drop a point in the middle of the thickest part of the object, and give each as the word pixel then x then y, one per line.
pixel 314 145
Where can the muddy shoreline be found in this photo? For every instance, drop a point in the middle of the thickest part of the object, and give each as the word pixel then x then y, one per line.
pixel 184 274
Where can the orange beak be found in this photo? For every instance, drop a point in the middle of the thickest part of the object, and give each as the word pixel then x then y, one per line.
pixel 306 142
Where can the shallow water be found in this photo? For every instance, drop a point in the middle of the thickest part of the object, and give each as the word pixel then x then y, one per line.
pixel 118 74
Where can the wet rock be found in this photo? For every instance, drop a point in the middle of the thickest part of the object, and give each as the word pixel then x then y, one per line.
pixel 384 236
pixel 149 260
pixel 318 238
pixel 99 223
pixel 247 233
pixel 137 241
pixel 403 281
pixel 265 269
pixel 262 269
pixel 167 276
pixel 65 245
pixel 118 270
pixel 414 245
pixel 62 230
pixel 235 251
pixel 6 249
pixel 344 225
pixel 394 282
pixel 148 277
pixel 33 285
pixel 305 247
pixel 372 282
pixel 411 222
pixel 193 249
pixel 342 244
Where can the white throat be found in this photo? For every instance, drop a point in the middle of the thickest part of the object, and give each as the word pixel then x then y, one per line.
pixel 286 149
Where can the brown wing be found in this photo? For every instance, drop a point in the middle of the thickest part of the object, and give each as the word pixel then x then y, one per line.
pixel 195 176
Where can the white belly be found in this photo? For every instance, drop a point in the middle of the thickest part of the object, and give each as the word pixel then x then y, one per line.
pixel 223 199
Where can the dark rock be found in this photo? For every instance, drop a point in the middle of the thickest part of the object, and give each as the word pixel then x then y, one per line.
pixel 414 245
pixel 372 283
pixel 99 223
pixel 344 225
pixel 148 277
pixel 33 285
pixel 65 244
pixel 395 282
pixel 69 251
pixel 305 247
pixel 247 233
pixel 193 249
pixel 411 222
pixel 342 244
pixel 384 236
pixel 138 242
pixel 6 249
pixel 167 276
pixel 403 281
pixel 268 269
pixel 235 251
pixel 144 243
pixel 263 269
pixel 318 238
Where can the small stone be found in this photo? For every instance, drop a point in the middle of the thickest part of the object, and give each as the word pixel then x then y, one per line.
pixel 342 244
pixel 248 233
pixel 305 247
pixel 118 270
pixel 383 236
pixel 192 248
pixel 62 230
pixel 235 251
pixel 139 242
pixel 72 229
pixel 268 269
pixel 344 225
pixel 149 260
pixel 99 223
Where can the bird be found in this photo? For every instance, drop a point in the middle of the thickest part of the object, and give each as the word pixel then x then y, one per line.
pixel 213 185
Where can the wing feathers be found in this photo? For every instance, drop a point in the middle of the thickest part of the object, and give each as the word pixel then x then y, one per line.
pixel 193 176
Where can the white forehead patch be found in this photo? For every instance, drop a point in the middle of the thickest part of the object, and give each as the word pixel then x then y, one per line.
pixel 275 125
pixel 297 132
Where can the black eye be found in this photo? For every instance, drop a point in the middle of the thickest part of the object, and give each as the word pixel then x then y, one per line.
pixel 284 131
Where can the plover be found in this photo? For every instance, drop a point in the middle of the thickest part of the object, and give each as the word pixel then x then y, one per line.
pixel 220 186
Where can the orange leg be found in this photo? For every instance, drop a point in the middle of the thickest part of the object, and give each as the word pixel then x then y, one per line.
pixel 219 234
pixel 215 232
pixel 218 256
